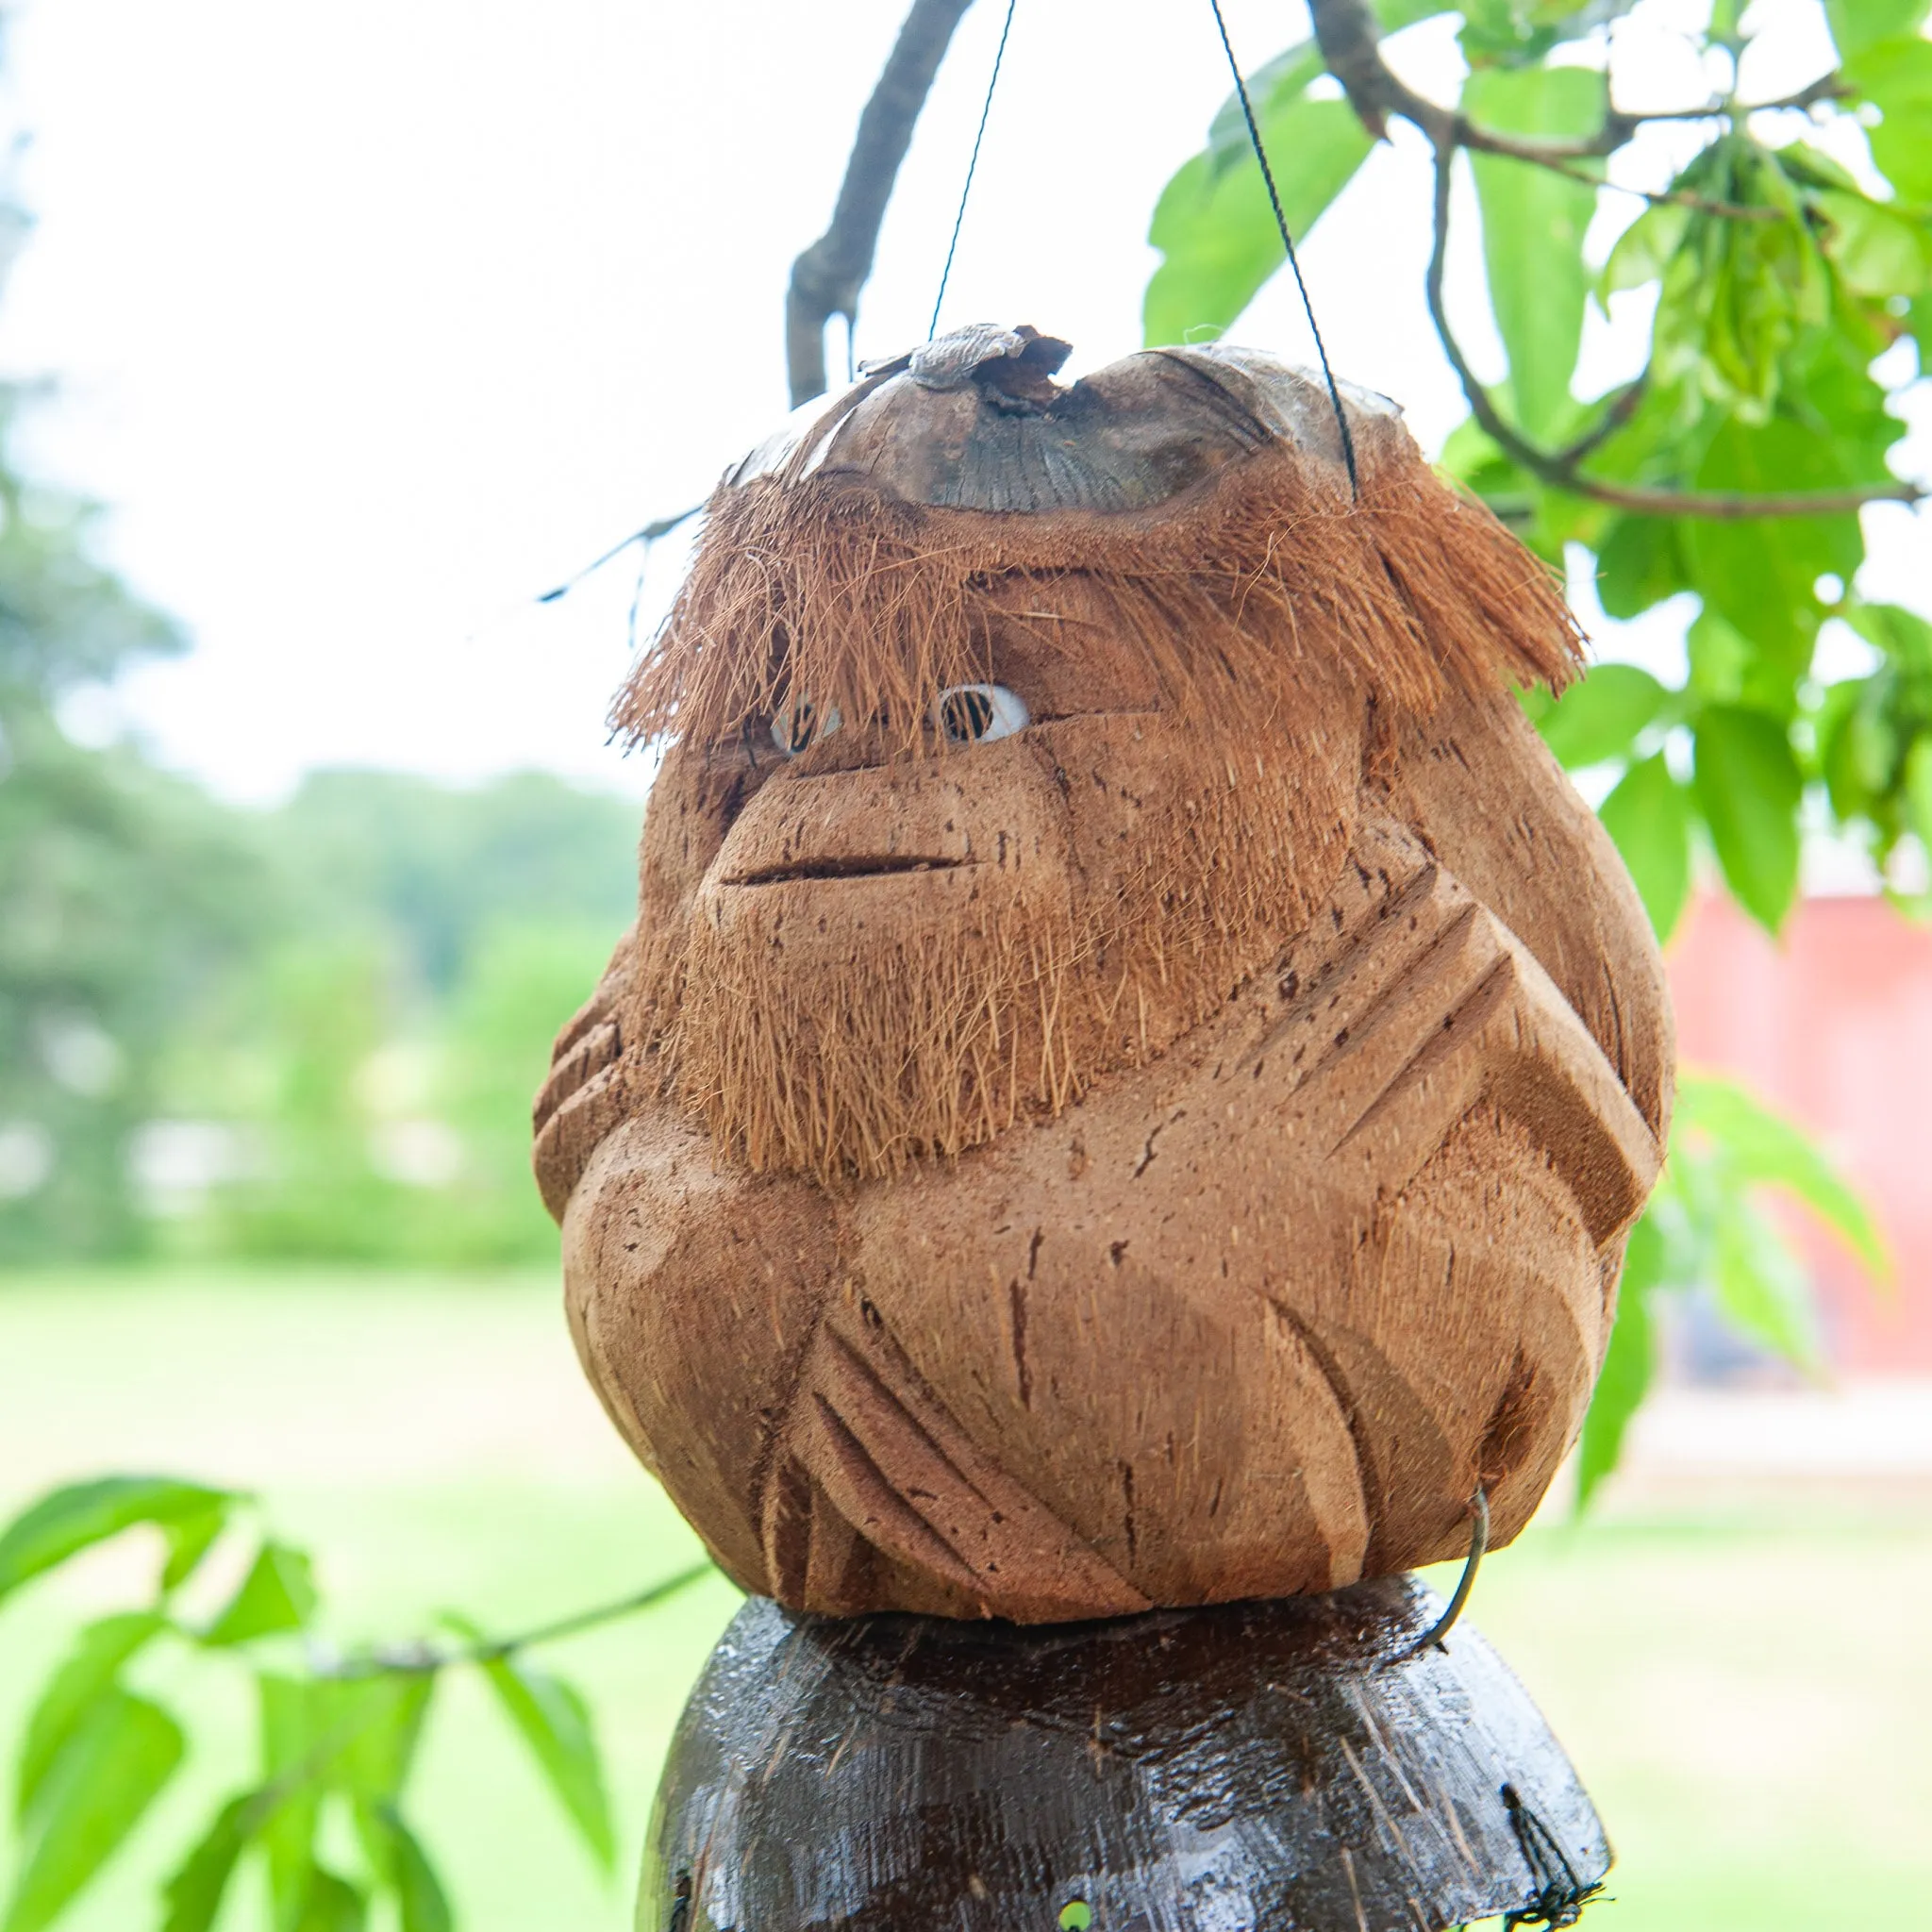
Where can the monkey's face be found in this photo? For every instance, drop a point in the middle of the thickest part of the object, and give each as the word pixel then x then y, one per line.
pixel 864 957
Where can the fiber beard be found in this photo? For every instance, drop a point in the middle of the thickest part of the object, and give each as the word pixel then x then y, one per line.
pixel 813 1041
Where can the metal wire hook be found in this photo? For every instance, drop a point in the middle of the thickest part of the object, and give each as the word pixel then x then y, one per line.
pixel 1478 1544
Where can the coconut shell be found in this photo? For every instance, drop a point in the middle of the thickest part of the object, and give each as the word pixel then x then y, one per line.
pixel 1171 1154
pixel 1267 1765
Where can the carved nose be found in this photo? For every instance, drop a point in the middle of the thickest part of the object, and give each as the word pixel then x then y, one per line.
pixel 999 814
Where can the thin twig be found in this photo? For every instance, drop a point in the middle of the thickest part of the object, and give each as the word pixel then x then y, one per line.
pixel 1561 470
pixel 1664 197
pixel 420 1659
pixel 1613 419
pixel 826 278
pixel 1349 39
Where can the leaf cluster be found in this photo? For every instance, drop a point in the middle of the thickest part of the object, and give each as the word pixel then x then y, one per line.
pixel 1708 1226
pixel 337 1736
pixel 1791 295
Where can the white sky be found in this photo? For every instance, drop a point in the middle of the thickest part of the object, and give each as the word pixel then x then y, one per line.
pixel 374 320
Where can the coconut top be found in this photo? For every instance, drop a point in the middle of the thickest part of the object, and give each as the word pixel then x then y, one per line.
pixel 974 420
pixel 864 554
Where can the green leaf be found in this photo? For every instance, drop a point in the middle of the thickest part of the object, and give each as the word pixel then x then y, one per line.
pixel 1393 15
pixel 277 1594
pixel 555 1724
pixel 1762 1289
pixel 1272 86
pixel 1857 746
pixel 294 1723
pixel 1902 635
pixel 1641 564
pixel 1917 788
pixel 421 1904
pixel 381 1719
pixel 73 1518
pixel 1722 662
pixel 331 1904
pixel 1601 714
pixel 110 1771
pixel 1748 788
pixel 1895 76
pixel 1739 296
pixel 1648 817
pixel 1277 82
pixel 73 1694
pixel 1762 1148
pixel 194 1895
pixel 1759 575
pixel 1857 23
pixel 1641 251
pixel 1533 226
pixel 1218 233
pixel 1876 250
pixel 189 1540
pixel 1628 1364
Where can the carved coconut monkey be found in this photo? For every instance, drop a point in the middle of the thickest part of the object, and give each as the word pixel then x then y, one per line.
pixel 1134 1068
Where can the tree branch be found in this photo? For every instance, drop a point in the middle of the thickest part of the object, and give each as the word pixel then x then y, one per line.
pixel 424 1660
pixel 1560 469
pixel 826 278
pixel 1350 40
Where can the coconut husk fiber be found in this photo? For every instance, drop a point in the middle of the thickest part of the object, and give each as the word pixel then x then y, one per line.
pixel 1164 1153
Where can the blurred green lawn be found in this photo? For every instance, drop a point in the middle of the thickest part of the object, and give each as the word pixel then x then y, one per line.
pixel 1744 1685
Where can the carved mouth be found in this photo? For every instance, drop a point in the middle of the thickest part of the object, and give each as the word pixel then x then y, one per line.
pixel 864 866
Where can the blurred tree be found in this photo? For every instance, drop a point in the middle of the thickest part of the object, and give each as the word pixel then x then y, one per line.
pixel 437 869
pixel 522 980
pixel 376 1067
pixel 123 890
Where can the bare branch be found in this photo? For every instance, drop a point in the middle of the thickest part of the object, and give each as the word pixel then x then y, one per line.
pixel 1560 469
pixel 1663 198
pixel 424 1660
pixel 826 278
pixel 1613 419
pixel 1349 39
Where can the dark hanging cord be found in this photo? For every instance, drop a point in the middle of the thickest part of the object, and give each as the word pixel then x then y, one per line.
pixel 959 220
pixel 1478 1542
pixel 1241 88
pixel 647 536
pixel 636 596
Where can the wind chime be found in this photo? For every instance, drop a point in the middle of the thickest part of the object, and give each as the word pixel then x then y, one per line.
pixel 1109 1143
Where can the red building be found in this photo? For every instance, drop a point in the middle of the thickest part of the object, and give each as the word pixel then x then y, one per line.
pixel 1832 1024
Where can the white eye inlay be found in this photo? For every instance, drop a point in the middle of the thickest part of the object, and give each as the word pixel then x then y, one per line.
pixel 799 725
pixel 979 714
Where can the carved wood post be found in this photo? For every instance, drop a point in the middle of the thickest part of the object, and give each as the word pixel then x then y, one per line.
pixel 1121 1110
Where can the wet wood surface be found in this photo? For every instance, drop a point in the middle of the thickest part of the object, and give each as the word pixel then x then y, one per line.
pixel 1270 1767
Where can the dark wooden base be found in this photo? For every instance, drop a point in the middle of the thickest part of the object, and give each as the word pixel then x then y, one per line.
pixel 1274 1767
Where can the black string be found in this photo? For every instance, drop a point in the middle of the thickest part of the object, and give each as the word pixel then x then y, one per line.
pixel 959 220
pixel 647 536
pixel 1241 88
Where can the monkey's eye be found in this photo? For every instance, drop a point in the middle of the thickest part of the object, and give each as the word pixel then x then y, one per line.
pixel 800 724
pixel 979 714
